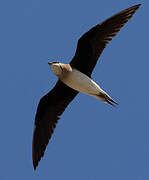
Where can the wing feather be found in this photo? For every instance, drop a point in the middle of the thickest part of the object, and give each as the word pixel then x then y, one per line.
pixel 49 110
pixel 92 43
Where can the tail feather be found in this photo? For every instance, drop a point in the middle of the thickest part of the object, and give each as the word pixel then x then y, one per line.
pixel 106 99
pixel 111 102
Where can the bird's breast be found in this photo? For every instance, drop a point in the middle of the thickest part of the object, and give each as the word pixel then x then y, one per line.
pixel 80 82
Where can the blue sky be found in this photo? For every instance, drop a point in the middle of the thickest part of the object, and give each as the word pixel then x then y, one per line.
pixel 92 140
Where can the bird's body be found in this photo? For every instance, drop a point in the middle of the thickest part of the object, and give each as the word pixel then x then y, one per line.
pixel 75 77
pixel 80 81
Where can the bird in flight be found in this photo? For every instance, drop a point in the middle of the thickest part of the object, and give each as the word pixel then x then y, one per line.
pixel 75 77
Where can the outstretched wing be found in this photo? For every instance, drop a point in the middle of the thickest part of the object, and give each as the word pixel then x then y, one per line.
pixel 50 107
pixel 92 43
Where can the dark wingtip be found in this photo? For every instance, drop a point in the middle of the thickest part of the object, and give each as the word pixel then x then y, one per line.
pixel 136 6
pixel 139 4
pixel 132 9
pixel 35 164
pixel 34 167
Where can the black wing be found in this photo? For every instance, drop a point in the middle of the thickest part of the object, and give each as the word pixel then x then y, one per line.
pixel 92 43
pixel 50 107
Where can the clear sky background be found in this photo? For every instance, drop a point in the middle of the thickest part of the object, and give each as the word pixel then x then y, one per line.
pixel 92 140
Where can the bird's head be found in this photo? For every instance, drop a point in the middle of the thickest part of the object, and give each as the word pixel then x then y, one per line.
pixel 56 68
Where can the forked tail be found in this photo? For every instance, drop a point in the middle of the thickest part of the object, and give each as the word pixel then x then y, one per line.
pixel 106 99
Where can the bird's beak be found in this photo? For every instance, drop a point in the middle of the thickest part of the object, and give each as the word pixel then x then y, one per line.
pixel 50 63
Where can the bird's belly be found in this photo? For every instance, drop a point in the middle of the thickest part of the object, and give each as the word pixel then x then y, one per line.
pixel 80 82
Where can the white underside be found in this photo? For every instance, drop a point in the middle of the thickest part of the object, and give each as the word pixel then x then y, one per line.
pixel 82 83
